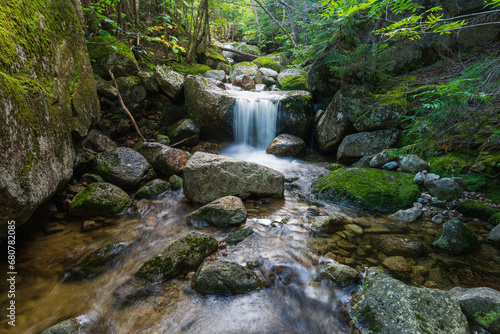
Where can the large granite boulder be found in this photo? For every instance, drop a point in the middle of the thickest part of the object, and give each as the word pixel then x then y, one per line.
pixel 367 188
pixel 48 100
pixel 225 278
pixel 210 106
pixel 170 82
pixel 481 305
pixel 456 238
pixel 110 54
pixel 164 159
pixel 360 144
pixel 246 68
pixel 222 212
pixel 123 167
pixel 385 305
pixel 286 145
pixel 293 79
pixel 208 177
pixel 99 199
pixel 296 113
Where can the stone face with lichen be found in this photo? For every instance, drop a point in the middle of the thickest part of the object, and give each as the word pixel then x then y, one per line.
pixel 48 100
pixel 385 305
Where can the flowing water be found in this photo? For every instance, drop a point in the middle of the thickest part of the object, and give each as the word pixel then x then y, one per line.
pixel 296 301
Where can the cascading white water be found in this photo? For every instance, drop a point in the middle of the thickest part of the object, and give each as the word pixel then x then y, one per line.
pixel 255 121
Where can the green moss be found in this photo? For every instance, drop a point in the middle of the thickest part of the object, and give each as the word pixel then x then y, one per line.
pixel 487 319
pixel 213 54
pixel 367 188
pixel 334 166
pixel 476 209
pixel 369 319
pixel 100 45
pixel 267 62
pixel 193 68
pixel 494 219
pixel 294 83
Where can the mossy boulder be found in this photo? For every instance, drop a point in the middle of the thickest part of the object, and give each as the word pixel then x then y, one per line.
pixel 385 305
pixel 296 113
pixel 191 69
pixel 246 48
pixel 131 89
pixel 481 305
pixel 367 188
pixel 110 54
pixel 48 100
pixel 268 62
pixel 123 167
pixel 475 209
pixel 456 238
pixel 185 253
pixel 152 188
pixel 494 219
pixel 212 58
pixel 292 79
pixel 208 177
pixel 175 181
pixel 99 199
pixel 225 278
pixel 96 263
pixel 222 212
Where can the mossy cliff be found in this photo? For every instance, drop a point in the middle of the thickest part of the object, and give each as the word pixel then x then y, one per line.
pixel 48 101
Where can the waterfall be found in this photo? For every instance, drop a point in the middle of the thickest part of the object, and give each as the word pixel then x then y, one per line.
pixel 255 122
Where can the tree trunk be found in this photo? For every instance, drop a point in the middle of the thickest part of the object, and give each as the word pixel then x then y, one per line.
pixel 277 23
pixel 199 32
pixel 79 12
pixel 256 19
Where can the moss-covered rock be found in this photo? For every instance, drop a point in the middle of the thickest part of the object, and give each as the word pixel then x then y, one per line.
pixel 48 100
pixel 456 238
pixel 296 114
pixel 226 278
pixel 152 188
pixel 367 188
pixel 191 69
pixel 110 54
pixel 186 253
pixel 293 79
pixel 212 58
pixel 99 199
pixel 475 209
pixel 96 263
pixel 175 181
pixel 170 82
pixel 267 62
pixel 248 69
pixel 494 219
pixel 385 305
pixel 131 89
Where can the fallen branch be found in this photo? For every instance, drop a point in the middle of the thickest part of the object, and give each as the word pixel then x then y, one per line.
pixel 183 141
pixel 124 107
pixel 239 52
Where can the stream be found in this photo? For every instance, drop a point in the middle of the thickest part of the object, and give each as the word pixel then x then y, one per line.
pixel 297 300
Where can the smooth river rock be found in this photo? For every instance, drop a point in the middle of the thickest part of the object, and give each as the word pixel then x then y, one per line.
pixel 208 177
pixel 222 212
pixel 99 199
pixel 385 305
pixel 164 159
pixel 286 145
pixel 456 238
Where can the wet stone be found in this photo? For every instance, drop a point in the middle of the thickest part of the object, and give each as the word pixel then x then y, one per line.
pixel 238 236
pixel 457 238
pixel 341 275
pixel 397 263
pixel 398 245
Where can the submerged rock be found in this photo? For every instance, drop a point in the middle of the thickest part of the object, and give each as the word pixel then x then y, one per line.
pixel 286 145
pixel 96 263
pixel 123 167
pixel 457 238
pixel 396 263
pixel 99 199
pixel 238 236
pixel 208 176
pixel 340 274
pixel 366 143
pixel 385 305
pixel 481 305
pixel 331 224
pixel 152 188
pixel 367 188
pixel 222 212
pixel 185 253
pixel 398 245
pixel 225 277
